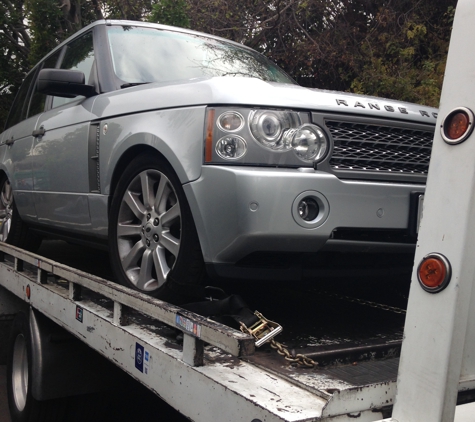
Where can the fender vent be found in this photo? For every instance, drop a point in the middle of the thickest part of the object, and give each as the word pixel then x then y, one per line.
pixel 93 153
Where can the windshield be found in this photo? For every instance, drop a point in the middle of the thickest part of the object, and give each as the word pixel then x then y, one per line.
pixel 142 55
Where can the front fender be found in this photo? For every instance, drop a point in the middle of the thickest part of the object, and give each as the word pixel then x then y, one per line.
pixel 177 134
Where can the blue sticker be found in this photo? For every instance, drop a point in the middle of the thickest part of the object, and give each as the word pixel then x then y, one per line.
pixel 79 313
pixel 139 354
pixel 146 356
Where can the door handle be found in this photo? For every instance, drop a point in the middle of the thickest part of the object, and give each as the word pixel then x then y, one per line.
pixel 10 141
pixel 39 132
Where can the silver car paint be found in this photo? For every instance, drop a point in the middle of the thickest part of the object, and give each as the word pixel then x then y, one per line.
pixel 176 133
pixel 254 92
pixel 17 163
pixel 230 225
pixel 171 118
pixel 60 191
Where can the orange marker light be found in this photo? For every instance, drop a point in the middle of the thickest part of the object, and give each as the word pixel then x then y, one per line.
pixel 209 136
pixel 434 273
pixel 28 291
pixel 457 125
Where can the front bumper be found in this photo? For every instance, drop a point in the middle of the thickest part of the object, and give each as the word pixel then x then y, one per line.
pixel 241 210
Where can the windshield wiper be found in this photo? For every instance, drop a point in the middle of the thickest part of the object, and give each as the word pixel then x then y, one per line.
pixel 129 84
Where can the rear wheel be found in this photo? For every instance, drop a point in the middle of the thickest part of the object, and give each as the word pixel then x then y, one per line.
pixel 12 229
pixel 153 241
pixel 23 406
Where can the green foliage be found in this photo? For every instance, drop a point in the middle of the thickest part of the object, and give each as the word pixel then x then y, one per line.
pixel 126 9
pixel 406 60
pixel 170 12
pixel 14 50
pixel 45 27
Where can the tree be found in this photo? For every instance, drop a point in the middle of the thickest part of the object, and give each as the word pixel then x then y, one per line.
pixel 14 46
pixel 29 29
pixel 387 48
pixel 171 12
pixel 396 49
pixel 406 56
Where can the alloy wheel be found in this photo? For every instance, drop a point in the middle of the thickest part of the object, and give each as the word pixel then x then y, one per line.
pixel 6 210
pixel 149 230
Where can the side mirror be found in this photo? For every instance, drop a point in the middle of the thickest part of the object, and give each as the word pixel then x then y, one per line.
pixel 64 83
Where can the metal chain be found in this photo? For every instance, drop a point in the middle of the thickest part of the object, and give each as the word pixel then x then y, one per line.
pixel 305 361
pixel 298 358
pixel 365 302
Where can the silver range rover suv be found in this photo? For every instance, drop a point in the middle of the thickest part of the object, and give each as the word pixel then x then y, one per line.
pixel 191 156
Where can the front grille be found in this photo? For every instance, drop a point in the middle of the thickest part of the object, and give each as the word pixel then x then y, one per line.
pixel 360 147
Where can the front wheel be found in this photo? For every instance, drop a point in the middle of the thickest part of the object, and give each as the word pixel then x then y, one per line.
pixel 153 241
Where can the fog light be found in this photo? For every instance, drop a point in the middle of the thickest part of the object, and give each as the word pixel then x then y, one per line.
pixel 308 209
pixel 231 147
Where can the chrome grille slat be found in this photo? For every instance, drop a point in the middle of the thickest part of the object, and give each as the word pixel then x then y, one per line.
pixel 362 147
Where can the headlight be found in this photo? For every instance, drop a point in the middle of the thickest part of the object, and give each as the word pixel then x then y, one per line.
pixel 230 121
pixel 231 147
pixel 309 143
pixel 259 137
pixel 270 127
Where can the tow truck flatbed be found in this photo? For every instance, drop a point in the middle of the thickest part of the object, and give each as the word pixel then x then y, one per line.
pixel 357 366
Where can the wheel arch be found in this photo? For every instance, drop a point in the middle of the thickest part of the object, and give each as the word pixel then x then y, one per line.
pixel 124 161
pixel 120 156
pixel 176 135
pixel 134 149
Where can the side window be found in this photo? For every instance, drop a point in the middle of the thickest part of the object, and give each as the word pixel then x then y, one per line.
pixel 20 105
pixel 38 100
pixel 79 56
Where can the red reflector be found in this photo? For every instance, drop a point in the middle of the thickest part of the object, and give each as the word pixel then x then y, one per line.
pixel 434 273
pixel 28 291
pixel 457 125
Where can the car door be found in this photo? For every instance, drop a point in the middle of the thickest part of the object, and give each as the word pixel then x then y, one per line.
pixel 60 165
pixel 17 141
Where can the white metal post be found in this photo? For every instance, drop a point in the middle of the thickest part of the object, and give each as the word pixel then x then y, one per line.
pixel 438 353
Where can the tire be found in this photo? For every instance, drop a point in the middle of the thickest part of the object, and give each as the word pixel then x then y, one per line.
pixel 23 406
pixel 154 247
pixel 12 229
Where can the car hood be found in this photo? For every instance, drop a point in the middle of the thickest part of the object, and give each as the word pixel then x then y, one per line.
pixel 254 92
